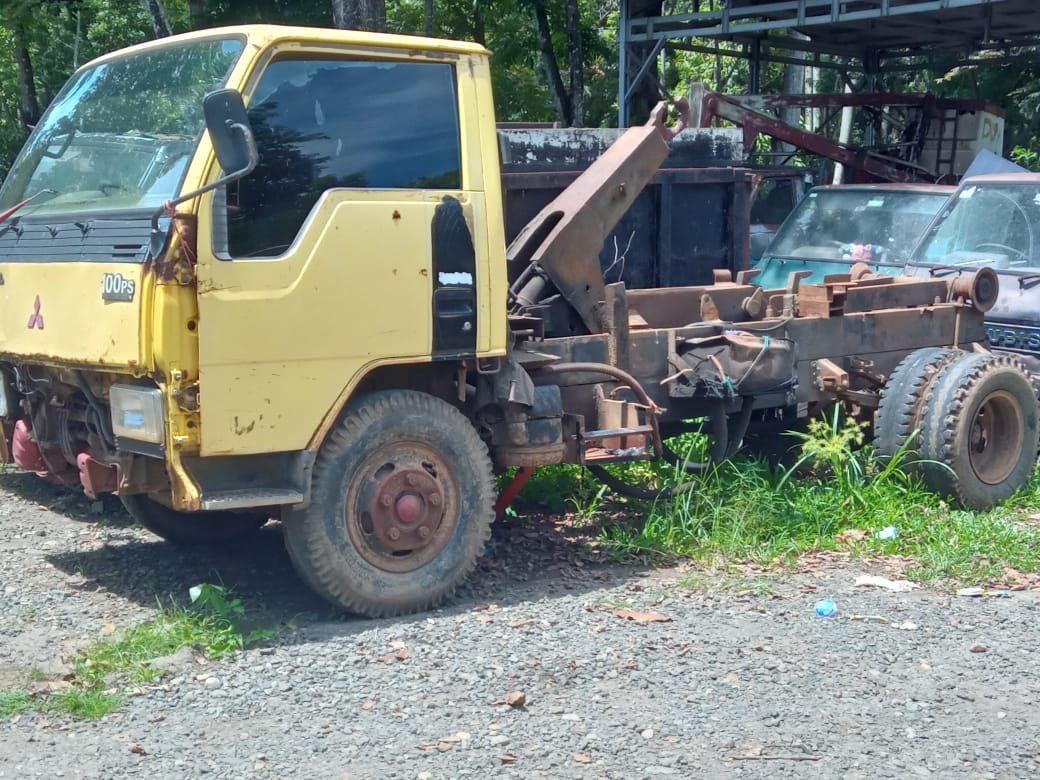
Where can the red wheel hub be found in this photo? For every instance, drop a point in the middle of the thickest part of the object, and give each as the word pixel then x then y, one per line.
pixel 406 509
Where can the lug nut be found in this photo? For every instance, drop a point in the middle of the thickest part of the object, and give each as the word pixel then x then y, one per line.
pixel 435 499
pixel 386 500
pixel 412 480
pixel 424 532
pixel 394 534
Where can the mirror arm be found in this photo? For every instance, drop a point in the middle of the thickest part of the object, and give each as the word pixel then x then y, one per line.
pixel 158 238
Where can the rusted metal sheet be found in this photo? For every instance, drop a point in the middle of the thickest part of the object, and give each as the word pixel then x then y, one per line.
pixel 681 306
pixel 685 223
pixel 527 150
pixel 563 241
pixel 904 293
pixel 178 262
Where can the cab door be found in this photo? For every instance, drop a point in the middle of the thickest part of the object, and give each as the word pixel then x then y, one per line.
pixel 349 245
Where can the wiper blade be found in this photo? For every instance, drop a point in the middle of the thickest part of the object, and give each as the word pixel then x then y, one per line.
pixel 6 215
pixel 798 259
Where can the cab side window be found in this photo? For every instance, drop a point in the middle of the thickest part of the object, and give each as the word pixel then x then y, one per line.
pixel 325 123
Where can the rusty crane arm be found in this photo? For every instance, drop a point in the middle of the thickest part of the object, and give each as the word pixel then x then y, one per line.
pixel 561 245
pixel 754 123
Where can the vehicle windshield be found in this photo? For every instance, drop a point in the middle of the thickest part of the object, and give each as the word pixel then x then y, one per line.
pixel 987 225
pixel 120 134
pixel 856 224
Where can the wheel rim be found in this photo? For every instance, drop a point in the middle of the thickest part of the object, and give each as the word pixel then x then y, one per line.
pixel 996 438
pixel 402 507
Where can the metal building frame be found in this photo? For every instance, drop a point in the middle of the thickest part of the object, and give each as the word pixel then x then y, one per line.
pixel 870 37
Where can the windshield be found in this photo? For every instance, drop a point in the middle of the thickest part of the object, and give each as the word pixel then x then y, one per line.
pixel 856 224
pixel 987 224
pixel 120 134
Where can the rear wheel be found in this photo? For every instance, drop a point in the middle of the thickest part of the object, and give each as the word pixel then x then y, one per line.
pixel 899 413
pixel 401 506
pixel 979 420
pixel 191 528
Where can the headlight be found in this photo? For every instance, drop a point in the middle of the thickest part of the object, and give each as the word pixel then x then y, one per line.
pixel 137 413
pixel 5 409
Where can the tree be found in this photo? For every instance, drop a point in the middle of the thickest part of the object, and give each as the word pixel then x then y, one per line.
pixel 29 104
pixel 196 14
pixel 160 19
pixel 17 17
pixel 359 14
pixel 568 102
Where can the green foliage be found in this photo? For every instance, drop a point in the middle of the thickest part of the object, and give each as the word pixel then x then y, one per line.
pixel 224 620
pixel 587 507
pixel 61 35
pixel 1027 158
pixel 14 702
pixel 832 447
pixel 215 627
pixel 550 488
pixel 89 703
pixel 743 511
pixel 1013 86
pixel 507 27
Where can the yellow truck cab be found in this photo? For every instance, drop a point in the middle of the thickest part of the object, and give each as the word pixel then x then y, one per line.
pixel 228 329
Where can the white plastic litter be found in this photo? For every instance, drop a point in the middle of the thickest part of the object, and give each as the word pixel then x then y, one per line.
pixel 899 586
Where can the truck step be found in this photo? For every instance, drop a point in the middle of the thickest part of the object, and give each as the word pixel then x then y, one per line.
pixel 599 457
pixel 243 499
pixel 609 433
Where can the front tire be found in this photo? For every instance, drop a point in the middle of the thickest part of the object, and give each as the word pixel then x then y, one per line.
pixel 401 506
pixel 980 420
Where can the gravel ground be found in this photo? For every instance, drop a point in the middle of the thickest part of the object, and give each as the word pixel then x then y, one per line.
pixel 741 681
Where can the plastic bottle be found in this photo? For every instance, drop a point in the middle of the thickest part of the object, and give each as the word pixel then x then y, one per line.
pixel 826 608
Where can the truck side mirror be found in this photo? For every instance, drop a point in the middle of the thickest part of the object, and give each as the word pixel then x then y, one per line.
pixel 228 127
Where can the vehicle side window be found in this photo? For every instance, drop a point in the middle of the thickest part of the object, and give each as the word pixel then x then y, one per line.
pixel 774 200
pixel 329 123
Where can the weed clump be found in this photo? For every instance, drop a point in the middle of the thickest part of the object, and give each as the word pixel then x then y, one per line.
pixel 215 626
pixel 744 511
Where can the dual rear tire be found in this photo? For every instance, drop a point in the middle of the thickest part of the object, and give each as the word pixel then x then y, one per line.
pixel 970 418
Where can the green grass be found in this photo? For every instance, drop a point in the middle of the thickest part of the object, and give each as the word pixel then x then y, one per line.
pixel 15 702
pixel 89 703
pixel 214 627
pixel 744 512
pixel 552 489
pixel 724 583
pixel 86 703
pixel 163 635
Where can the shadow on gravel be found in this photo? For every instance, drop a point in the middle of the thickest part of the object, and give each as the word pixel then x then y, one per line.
pixel 529 559
pixel 66 500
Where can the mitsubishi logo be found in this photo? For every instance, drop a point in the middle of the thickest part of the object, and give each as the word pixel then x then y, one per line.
pixel 35 319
